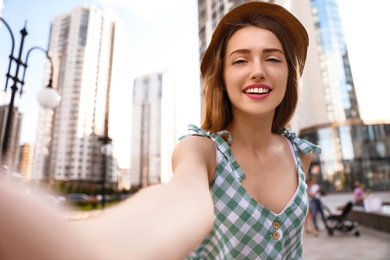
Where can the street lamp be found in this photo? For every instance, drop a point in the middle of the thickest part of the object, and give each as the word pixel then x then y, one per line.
pixel 48 97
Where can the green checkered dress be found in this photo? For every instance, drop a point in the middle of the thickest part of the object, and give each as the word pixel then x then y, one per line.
pixel 244 229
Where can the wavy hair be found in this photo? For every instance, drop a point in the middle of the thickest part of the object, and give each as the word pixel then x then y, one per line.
pixel 216 106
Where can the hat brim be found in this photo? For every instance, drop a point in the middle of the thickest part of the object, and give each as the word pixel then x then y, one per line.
pixel 293 27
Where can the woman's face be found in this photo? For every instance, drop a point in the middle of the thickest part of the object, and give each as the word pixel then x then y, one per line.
pixel 255 71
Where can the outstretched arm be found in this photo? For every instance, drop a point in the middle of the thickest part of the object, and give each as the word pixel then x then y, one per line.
pixel 167 221
pixel 31 229
pixel 164 221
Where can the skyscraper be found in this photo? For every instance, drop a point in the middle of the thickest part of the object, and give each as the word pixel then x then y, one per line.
pixel 328 111
pixel 85 45
pixel 25 160
pixel 153 134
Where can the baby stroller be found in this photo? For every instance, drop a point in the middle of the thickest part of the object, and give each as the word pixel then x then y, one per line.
pixel 341 222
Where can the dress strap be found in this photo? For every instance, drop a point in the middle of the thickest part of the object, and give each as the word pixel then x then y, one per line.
pixel 212 135
pixel 217 138
pixel 303 145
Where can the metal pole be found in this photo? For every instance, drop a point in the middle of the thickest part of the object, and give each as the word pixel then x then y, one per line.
pixel 106 140
pixel 14 88
pixel 105 143
pixel 16 81
pixel 25 65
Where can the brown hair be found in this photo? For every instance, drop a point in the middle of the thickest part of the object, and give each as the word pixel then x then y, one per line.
pixel 216 105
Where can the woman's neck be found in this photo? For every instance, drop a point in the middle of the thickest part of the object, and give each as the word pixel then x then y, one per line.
pixel 256 135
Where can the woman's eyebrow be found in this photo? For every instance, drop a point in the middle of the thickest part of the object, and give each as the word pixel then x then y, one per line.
pixel 268 50
pixel 239 51
pixel 273 50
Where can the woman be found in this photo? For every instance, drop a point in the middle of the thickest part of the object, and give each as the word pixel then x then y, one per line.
pixel 251 71
pixel 358 193
pixel 238 189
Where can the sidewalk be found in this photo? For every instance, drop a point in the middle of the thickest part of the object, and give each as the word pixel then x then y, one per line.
pixel 333 200
pixel 370 245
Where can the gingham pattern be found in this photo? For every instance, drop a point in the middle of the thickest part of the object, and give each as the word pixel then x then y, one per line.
pixel 244 229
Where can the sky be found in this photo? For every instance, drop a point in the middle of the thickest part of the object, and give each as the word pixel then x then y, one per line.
pixel 163 35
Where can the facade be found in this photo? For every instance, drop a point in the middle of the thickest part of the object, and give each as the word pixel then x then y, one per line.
pixel 83 46
pixel 209 14
pixel 153 134
pixel 25 160
pixel 328 110
pixel 11 158
pixel 352 149
pixel 124 180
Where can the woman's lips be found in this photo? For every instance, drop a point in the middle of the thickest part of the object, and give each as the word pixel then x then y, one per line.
pixel 257 91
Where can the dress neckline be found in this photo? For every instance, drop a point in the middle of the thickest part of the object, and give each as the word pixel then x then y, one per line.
pixel 241 175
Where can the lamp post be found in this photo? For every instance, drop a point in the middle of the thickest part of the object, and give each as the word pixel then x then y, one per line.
pixel 106 147
pixel 106 151
pixel 48 97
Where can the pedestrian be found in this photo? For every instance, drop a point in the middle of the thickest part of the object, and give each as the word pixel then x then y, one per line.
pixel 314 191
pixel 358 193
pixel 238 190
pixel 309 224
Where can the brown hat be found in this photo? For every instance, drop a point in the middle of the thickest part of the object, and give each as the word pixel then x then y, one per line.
pixel 294 29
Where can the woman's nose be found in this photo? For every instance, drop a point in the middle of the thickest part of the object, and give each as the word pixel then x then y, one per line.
pixel 257 71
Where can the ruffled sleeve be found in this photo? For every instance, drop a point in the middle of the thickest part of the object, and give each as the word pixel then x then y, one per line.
pixel 303 145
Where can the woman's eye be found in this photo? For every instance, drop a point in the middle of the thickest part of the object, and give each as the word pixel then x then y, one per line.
pixel 273 60
pixel 239 61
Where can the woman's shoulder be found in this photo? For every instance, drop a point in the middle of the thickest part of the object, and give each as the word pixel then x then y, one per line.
pixel 195 152
pixel 196 142
pixel 304 146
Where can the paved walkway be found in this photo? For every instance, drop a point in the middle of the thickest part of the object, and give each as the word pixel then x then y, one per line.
pixel 370 245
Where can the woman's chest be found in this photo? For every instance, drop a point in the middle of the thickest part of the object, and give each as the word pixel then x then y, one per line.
pixel 271 182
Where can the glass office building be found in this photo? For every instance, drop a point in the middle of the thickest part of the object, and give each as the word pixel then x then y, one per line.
pixel 352 148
